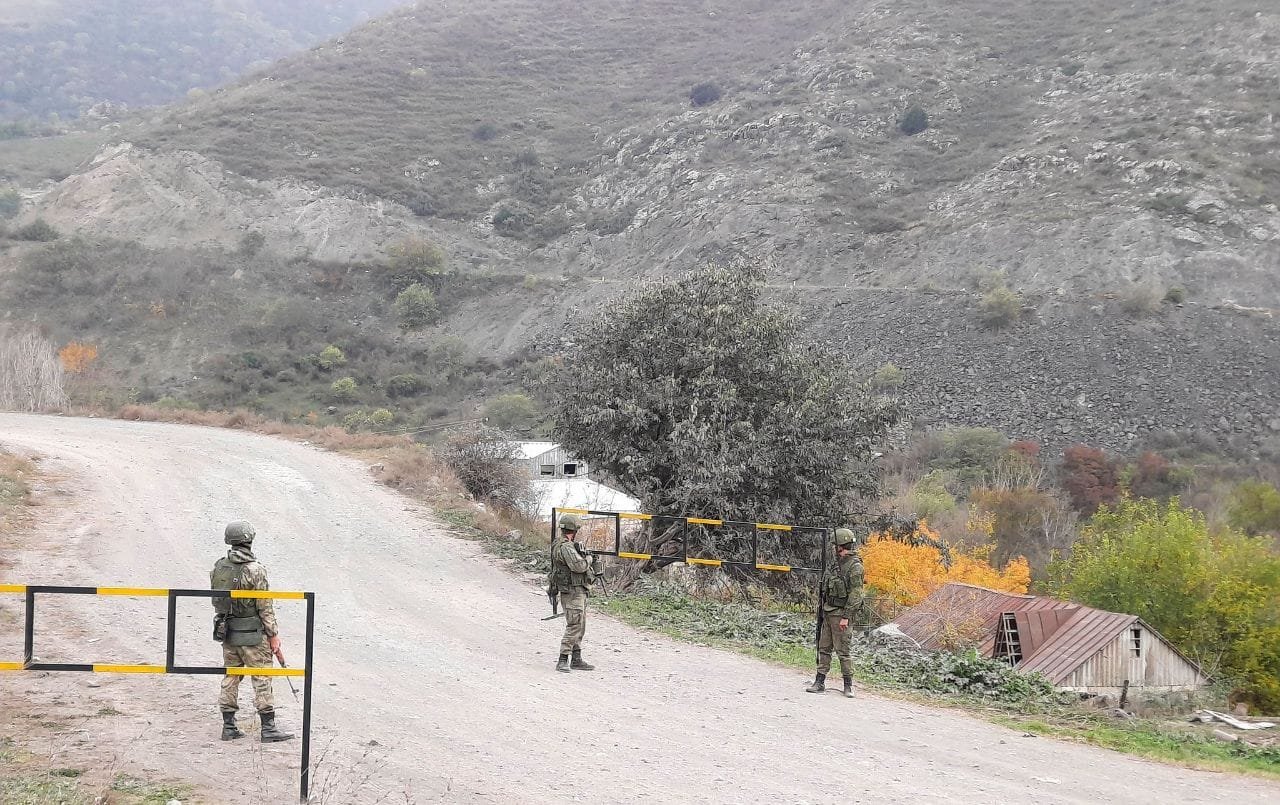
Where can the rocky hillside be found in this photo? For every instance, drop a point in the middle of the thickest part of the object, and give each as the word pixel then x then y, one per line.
pixel 1114 167
pixel 66 57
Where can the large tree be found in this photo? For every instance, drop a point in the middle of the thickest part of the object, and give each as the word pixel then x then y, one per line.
pixel 701 399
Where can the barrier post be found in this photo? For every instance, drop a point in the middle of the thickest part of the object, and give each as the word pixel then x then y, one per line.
pixel 29 628
pixel 305 778
pixel 170 667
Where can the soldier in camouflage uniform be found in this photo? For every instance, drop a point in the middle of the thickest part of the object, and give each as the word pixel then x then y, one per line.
pixel 248 632
pixel 841 596
pixel 571 576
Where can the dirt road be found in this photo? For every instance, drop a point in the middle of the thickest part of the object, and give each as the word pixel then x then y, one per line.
pixel 434 677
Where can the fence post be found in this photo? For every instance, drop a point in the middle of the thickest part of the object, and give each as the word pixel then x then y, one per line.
pixel 305 777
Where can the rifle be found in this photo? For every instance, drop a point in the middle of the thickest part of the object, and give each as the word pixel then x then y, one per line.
pixel 822 601
pixel 555 604
pixel 279 655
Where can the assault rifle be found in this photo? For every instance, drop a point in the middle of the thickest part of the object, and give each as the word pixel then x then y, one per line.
pixel 553 595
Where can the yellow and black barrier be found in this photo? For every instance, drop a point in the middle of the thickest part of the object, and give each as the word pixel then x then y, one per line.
pixel 28 648
pixel 683 523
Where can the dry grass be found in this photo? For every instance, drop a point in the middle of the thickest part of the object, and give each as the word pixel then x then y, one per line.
pixel 16 476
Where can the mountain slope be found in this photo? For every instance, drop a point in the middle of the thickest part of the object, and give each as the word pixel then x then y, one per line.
pixel 62 57
pixel 1091 157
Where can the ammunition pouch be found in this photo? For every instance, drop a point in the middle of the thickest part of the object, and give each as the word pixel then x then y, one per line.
pixel 244 631
pixel 219 628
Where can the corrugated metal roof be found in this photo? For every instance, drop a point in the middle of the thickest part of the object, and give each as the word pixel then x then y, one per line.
pixel 967 607
pixel 1055 640
pixel 1075 642
pixel 530 450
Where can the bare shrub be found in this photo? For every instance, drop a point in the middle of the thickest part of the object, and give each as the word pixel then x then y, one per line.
pixel 1000 307
pixel 31 377
pixel 484 459
pixel 1140 299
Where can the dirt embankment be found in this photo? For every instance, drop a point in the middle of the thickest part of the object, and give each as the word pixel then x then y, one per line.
pixel 434 677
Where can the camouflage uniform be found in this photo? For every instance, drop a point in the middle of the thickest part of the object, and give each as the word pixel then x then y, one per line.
pixel 571 577
pixel 246 628
pixel 841 595
pixel 253 577
pixel 845 576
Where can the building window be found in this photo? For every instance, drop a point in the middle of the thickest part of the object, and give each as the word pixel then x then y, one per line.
pixel 547 469
pixel 571 469
pixel 1135 636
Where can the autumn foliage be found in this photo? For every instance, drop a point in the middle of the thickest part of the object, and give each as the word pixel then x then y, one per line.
pixel 77 358
pixel 909 573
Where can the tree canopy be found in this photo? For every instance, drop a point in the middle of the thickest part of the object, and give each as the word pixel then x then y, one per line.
pixel 1214 595
pixel 699 398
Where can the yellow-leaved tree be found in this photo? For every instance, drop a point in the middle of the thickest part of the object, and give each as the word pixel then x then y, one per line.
pixel 909 573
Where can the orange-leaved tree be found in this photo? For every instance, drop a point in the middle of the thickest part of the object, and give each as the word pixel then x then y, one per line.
pixel 77 357
pixel 908 573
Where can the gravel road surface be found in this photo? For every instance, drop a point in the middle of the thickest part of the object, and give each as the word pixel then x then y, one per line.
pixel 433 678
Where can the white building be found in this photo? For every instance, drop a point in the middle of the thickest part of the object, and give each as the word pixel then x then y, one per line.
pixel 561 481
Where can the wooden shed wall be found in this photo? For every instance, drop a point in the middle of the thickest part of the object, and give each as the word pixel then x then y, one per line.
pixel 557 457
pixel 1158 666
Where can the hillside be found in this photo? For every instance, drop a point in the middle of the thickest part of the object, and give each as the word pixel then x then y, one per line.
pixel 64 57
pixel 1095 159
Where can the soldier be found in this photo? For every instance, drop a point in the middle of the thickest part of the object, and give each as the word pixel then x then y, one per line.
pixel 841 592
pixel 247 629
pixel 571 576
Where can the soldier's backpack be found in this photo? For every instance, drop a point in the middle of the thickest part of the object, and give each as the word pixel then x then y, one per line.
pixel 226 575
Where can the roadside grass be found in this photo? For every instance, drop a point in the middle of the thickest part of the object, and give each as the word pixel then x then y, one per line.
pixel 1153 739
pixel 28 779
pixel 16 474
pixel 785 637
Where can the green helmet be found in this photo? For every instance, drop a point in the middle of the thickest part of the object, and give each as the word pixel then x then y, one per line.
pixel 570 522
pixel 845 536
pixel 239 533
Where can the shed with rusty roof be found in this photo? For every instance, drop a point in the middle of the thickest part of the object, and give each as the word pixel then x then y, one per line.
pixel 1074 646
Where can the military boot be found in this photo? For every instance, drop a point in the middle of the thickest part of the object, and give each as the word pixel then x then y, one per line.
pixel 577 664
pixel 848 687
pixel 563 664
pixel 819 684
pixel 269 732
pixel 229 729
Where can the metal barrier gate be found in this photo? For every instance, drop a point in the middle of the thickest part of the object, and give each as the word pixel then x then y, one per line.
pixel 762 536
pixel 28 647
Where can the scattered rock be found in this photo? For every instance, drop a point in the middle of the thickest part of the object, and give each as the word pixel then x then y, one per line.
pixel 1223 735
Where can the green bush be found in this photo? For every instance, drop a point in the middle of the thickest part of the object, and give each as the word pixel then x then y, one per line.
pixel 381 418
pixel 344 389
pixel 1254 508
pixel 416 307
pixel 930 498
pixel 405 385
pixel 512 412
pixel 330 358
pixel 1000 307
pixel 887 377
pixel 1176 295
pixel 416 260
pixel 704 94
pixel 10 204
pixel 39 231
pixel 913 121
